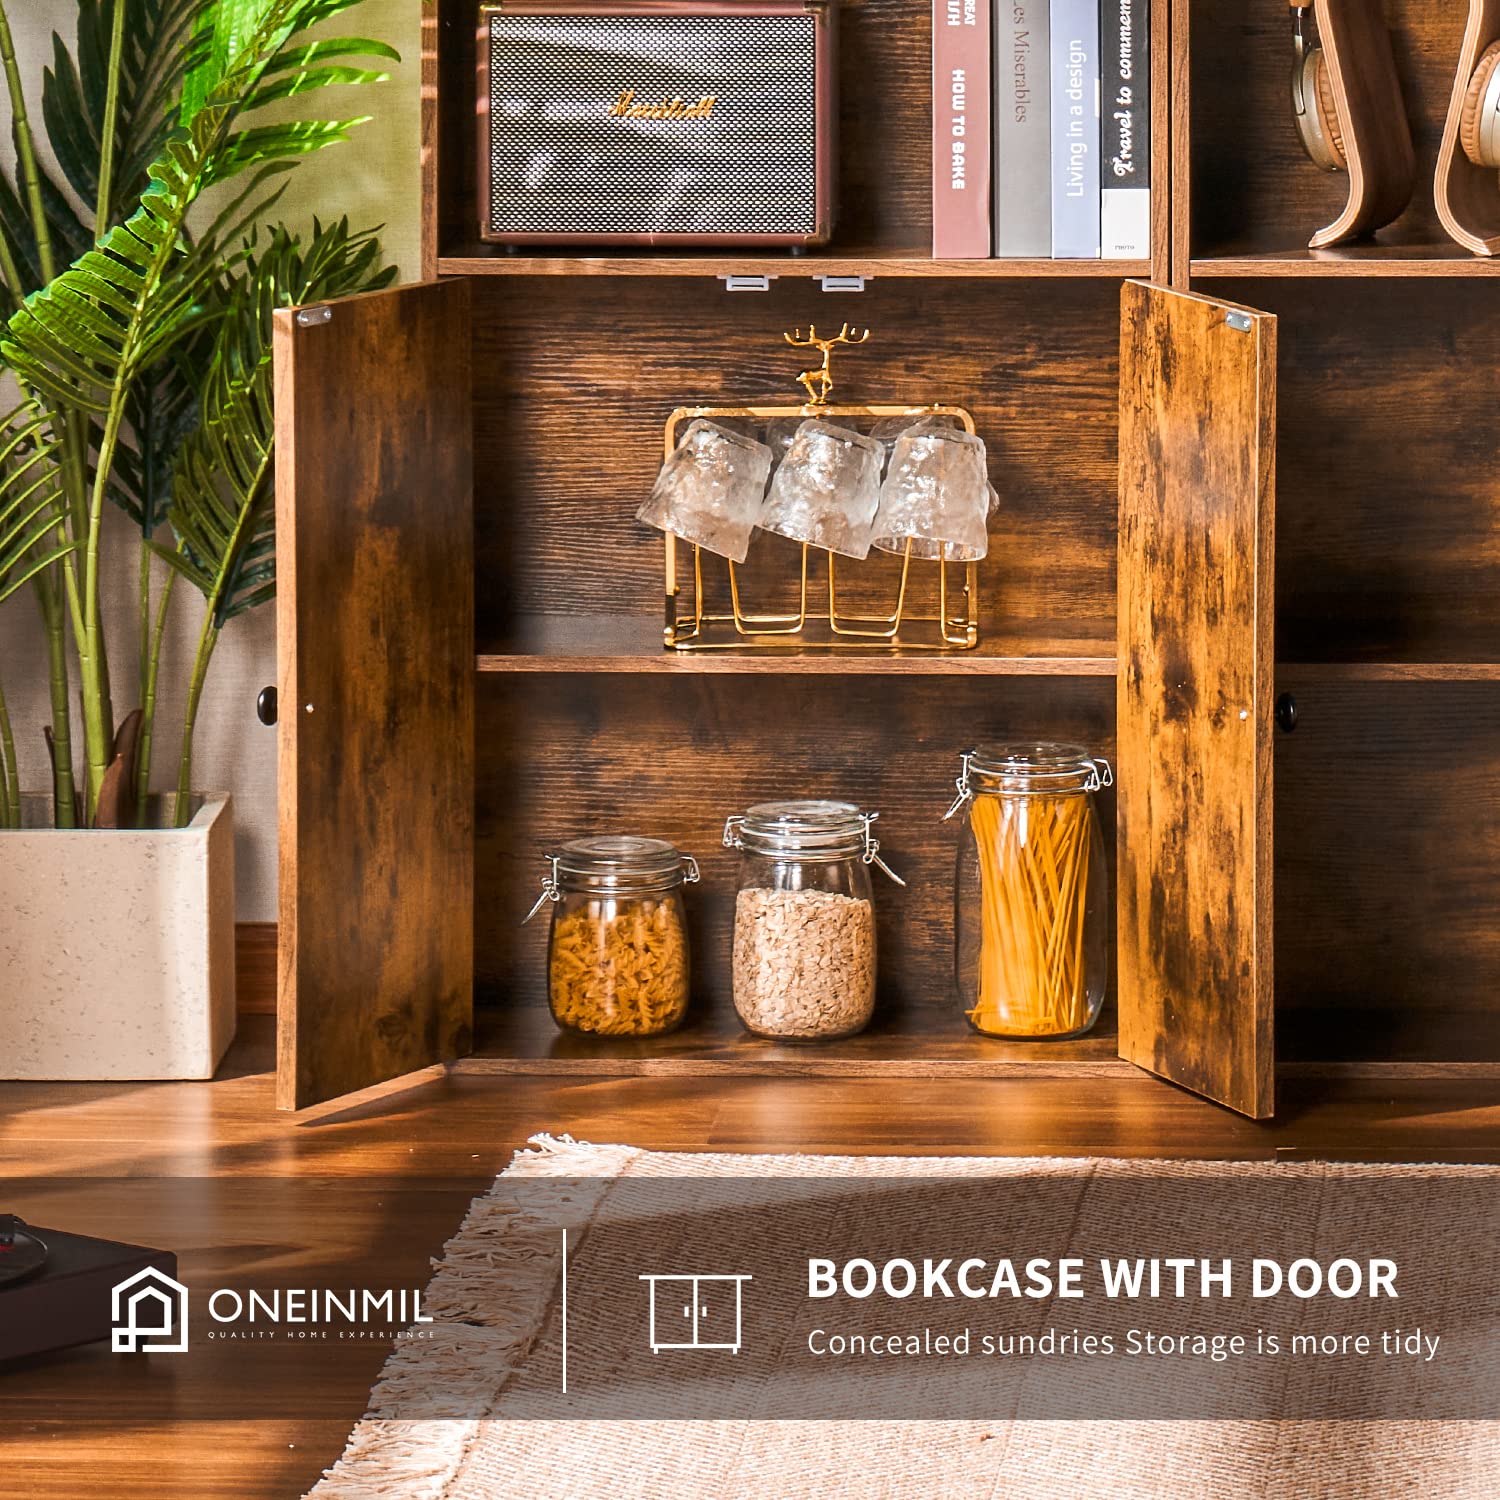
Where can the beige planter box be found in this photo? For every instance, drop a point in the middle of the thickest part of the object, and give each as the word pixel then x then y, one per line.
pixel 116 948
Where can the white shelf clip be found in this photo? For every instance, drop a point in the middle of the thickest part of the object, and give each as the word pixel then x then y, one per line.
pixel 841 283
pixel 747 283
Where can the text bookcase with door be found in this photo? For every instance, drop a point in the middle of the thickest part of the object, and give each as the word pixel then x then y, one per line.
pixel 471 673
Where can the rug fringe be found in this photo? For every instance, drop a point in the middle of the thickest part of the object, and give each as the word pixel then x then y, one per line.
pixel 491 1293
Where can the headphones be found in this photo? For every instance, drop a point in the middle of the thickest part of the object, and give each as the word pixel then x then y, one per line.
pixel 1479 122
pixel 1314 108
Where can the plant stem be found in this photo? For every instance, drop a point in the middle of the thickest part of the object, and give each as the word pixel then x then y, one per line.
pixel 111 117
pixel 98 712
pixel 26 149
pixel 10 783
pixel 65 807
pixel 208 638
pixel 148 702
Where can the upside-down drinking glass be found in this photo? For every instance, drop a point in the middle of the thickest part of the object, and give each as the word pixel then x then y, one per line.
pixel 711 489
pixel 937 496
pixel 827 489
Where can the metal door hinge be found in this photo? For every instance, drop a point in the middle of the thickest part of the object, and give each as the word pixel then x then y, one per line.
pixel 1240 322
pixel 312 317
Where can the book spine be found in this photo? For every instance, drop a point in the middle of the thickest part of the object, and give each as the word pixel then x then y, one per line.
pixel 1125 129
pixel 1075 129
pixel 1023 129
pixel 960 129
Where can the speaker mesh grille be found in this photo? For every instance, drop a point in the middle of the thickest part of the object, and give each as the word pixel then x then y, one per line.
pixel 560 163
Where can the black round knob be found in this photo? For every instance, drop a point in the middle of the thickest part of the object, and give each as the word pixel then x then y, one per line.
pixel 265 705
pixel 1286 713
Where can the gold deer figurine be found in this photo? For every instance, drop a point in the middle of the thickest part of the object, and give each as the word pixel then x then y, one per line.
pixel 818 383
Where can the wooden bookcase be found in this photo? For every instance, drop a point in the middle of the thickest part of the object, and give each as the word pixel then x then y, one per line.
pixel 1322 524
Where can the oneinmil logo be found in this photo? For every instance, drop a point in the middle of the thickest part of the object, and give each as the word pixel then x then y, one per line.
pixel 146 1310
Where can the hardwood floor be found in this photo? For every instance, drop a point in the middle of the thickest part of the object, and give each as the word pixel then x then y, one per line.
pixel 62 1144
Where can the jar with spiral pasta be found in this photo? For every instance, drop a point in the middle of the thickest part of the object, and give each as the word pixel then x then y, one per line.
pixel 1032 891
pixel 617 955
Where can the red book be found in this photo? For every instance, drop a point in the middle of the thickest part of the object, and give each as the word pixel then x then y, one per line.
pixel 961 129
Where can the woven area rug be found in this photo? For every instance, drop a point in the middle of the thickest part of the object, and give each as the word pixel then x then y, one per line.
pixel 498 1278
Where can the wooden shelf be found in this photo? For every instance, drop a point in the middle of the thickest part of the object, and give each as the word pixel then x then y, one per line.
pixel 1384 1039
pixel 1050 648
pixel 524 1039
pixel 1358 260
pixel 872 264
pixel 1389 671
pixel 632 643
pixel 1310 1044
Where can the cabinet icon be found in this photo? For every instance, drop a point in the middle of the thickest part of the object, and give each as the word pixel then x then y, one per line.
pixel 695 1312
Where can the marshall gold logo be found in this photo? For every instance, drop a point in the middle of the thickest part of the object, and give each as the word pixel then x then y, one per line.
pixel 626 108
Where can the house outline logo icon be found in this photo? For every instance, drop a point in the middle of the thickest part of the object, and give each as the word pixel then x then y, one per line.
pixel 146 1310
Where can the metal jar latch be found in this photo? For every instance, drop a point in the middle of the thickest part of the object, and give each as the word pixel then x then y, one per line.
pixel 870 855
pixel 550 890
pixel 1100 775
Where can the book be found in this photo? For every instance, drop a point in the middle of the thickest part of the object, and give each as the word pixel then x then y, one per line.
pixel 1125 129
pixel 961 129
pixel 1023 129
pixel 1075 129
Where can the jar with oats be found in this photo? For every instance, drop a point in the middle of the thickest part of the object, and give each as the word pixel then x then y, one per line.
pixel 617 957
pixel 804 919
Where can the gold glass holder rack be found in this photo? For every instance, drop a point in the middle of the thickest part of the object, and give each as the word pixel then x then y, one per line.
pixel 952 624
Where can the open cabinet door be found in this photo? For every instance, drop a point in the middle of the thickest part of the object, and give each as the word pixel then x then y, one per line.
pixel 1196 686
pixel 375 652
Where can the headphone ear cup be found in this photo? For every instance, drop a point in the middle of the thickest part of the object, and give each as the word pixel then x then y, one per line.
pixel 1316 113
pixel 1328 111
pixel 1477 120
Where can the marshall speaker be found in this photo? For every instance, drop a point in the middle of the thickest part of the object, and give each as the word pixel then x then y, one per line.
pixel 662 122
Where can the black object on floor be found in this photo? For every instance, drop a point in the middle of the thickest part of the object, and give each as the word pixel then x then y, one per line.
pixel 58 1291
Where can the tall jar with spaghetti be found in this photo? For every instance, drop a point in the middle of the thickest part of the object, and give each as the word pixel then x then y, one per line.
pixel 1031 925
pixel 617 958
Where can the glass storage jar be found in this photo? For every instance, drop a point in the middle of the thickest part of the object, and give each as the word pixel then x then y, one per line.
pixel 804 919
pixel 617 955
pixel 1032 891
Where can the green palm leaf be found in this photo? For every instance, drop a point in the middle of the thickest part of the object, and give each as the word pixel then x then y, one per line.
pixel 223 509
pixel 84 338
pixel 30 497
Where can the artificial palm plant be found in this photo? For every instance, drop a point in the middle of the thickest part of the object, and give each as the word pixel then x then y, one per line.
pixel 138 339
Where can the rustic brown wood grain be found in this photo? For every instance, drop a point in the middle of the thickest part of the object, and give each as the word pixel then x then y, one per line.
pixel 255 968
pixel 573 380
pixel 1388 861
pixel 1179 147
pixel 1197 433
pixel 633 643
pixel 933 1041
pixel 673 755
pixel 431 143
pixel 1387 548
pixel 849 260
pixel 375 640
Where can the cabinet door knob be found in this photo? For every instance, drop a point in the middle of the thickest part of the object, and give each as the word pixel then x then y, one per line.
pixel 265 705
pixel 1286 713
